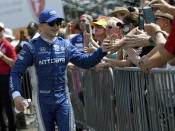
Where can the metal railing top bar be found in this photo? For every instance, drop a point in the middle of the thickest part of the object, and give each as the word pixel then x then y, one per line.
pixel 154 70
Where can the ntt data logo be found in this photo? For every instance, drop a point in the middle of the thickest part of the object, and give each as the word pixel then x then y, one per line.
pixel 52 61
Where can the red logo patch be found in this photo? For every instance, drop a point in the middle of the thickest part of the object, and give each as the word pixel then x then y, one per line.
pixel 37 7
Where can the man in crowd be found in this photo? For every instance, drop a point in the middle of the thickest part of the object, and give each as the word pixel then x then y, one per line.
pixel 8 34
pixel 164 20
pixel 78 40
pixel 50 56
pixel 32 29
pixel 7 58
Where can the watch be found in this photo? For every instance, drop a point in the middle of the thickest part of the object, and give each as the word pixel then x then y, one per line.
pixel 151 41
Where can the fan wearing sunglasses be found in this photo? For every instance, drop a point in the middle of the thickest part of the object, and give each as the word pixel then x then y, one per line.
pixel 49 56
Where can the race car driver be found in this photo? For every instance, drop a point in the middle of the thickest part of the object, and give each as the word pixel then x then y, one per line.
pixel 50 56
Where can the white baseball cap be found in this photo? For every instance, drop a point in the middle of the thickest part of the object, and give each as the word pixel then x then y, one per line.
pixel 2 25
pixel 8 34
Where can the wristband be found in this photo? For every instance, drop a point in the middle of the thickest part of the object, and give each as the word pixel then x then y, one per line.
pixel 155 34
pixel 151 41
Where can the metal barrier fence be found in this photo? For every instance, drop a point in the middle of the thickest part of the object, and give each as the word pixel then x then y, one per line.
pixel 26 85
pixel 122 99
pixel 76 90
pixel 142 102
pixel 99 108
pixel 89 107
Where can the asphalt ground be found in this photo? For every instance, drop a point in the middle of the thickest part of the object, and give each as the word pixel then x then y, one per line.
pixel 30 122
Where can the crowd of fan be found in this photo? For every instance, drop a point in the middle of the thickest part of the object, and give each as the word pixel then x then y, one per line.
pixel 117 33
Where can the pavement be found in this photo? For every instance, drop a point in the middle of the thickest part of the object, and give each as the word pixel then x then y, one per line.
pixel 30 122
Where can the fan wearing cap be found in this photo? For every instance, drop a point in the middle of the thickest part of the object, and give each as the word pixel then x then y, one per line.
pixel 114 33
pixel 50 55
pixel 114 37
pixel 114 30
pixel 7 58
pixel 99 35
pixel 130 22
pixel 164 20
pixel 115 27
pixel 100 30
pixel 8 34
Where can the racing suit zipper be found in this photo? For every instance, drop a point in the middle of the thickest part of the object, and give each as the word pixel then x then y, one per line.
pixel 53 71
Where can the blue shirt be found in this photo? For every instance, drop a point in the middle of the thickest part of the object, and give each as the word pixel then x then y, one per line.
pixel 77 41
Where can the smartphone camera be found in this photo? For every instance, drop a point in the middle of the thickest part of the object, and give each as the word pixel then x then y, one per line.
pixel 88 28
pixel 141 21
pixel 149 15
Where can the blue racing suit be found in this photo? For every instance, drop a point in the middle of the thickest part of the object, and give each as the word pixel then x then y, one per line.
pixel 50 61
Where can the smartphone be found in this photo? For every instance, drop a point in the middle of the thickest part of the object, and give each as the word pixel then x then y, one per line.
pixel 88 28
pixel 149 15
pixel 141 21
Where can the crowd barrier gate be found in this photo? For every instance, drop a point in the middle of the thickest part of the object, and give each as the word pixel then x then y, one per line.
pixel 121 99
pixel 26 86
pixel 126 99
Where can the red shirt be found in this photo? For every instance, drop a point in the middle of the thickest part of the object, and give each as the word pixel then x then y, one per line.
pixel 170 43
pixel 8 50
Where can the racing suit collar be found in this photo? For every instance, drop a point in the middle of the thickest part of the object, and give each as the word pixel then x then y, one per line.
pixel 50 42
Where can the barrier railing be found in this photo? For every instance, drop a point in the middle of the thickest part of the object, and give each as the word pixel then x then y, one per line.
pixel 99 104
pixel 86 101
pixel 76 90
pixel 142 102
pixel 26 85
pixel 122 99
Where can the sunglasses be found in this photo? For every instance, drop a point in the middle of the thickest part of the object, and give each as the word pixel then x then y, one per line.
pixel 98 26
pixel 83 21
pixel 111 27
pixel 118 26
pixel 57 22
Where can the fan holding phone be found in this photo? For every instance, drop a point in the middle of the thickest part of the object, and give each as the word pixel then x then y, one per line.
pixel 78 40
